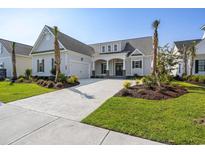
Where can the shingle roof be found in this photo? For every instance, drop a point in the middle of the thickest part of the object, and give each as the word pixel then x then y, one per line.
pixel 186 43
pixel 73 44
pixel 143 44
pixel 20 49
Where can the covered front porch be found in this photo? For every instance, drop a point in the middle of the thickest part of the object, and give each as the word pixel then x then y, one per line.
pixel 109 68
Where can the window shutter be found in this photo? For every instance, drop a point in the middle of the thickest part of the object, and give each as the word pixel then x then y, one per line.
pixel 133 64
pixel 140 64
pixel 37 65
pixel 43 65
pixel 196 66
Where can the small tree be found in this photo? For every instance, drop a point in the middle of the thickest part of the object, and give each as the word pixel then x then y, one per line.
pixel 57 53
pixel 192 55
pixel 167 60
pixel 14 61
pixel 28 73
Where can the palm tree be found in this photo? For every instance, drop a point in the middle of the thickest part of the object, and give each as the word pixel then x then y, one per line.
pixel 155 26
pixel 192 54
pixel 57 53
pixel 185 58
pixel 14 61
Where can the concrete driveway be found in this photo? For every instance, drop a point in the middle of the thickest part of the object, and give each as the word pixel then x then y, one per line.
pixel 53 118
pixel 73 103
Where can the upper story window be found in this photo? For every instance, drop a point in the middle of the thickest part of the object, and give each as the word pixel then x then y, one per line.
pixel 103 48
pixel 115 47
pixel 40 65
pixel 109 47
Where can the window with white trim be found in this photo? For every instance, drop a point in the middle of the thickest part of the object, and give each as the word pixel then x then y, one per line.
pixel 137 64
pixel 109 48
pixel 40 65
pixel 115 47
pixel 103 48
pixel 201 66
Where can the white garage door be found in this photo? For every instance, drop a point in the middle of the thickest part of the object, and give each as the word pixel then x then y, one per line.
pixel 79 69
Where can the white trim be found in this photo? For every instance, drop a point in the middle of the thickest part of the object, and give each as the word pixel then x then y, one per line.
pixel 138 51
pixel 50 52
pixel 40 37
pixel 54 37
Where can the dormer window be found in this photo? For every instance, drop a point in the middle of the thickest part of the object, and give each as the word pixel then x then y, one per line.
pixel 103 48
pixel 109 47
pixel 115 47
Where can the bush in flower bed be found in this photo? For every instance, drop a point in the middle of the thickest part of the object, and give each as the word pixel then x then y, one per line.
pixel 63 81
pixel 196 78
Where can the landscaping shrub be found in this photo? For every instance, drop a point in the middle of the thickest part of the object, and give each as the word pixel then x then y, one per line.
pixel 21 76
pixel 40 81
pixel 137 82
pixel 185 77
pixel 50 84
pixel 71 80
pixel 62 78
pixel 59 85
pixel 20 80
pixel 126 84
pixel 28 73
pixel 202 78
pixel 75 78
pixel 149 80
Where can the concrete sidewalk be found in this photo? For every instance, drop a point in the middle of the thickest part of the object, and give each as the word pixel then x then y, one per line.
pixel 23 126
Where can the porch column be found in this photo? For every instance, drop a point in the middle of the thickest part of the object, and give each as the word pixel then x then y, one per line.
pixel 107 67
pixel 123 67
pixel 93 69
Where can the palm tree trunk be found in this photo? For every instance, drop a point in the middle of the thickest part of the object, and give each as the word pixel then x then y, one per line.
pixel 14 61
pixel 155 44
pixel 57 54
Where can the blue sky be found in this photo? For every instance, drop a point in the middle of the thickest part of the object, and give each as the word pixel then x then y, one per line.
pixel 98 25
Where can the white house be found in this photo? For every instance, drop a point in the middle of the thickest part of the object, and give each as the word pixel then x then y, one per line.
pixel 199 60
pixel 23 58
pixel 116 58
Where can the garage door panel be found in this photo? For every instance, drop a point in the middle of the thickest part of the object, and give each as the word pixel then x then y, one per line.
pixel 79 69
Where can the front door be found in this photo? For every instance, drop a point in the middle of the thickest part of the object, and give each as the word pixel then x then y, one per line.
pixel 118 69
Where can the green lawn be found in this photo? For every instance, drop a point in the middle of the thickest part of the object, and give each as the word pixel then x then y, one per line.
pixel 18 91
pixel 168 121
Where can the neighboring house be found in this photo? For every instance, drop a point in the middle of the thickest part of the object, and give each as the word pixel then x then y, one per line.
pixel 199 61
pixel 116 58
pixel 23 59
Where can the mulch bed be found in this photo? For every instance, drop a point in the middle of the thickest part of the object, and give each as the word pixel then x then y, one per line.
pixel 153 93
pixel 66 85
